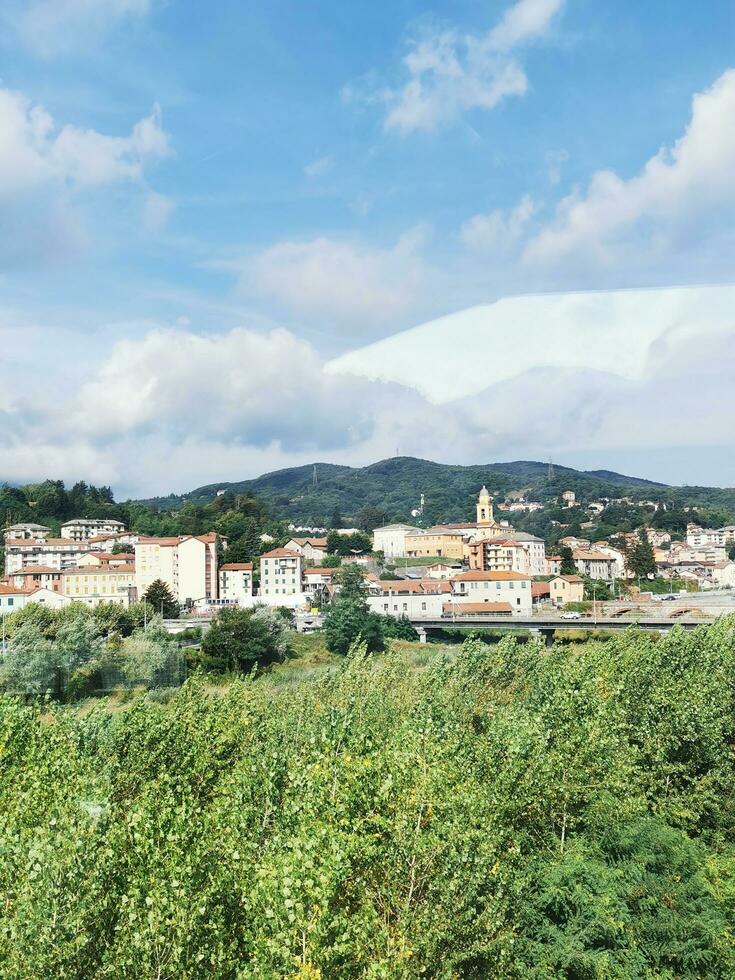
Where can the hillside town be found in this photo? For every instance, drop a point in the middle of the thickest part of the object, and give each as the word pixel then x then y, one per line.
pixel 482 567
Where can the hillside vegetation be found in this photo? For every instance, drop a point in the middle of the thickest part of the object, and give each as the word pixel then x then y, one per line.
pixel 511 813
pixel 391 489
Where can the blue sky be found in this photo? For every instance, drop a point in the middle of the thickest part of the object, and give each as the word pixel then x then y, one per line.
pixel 202 204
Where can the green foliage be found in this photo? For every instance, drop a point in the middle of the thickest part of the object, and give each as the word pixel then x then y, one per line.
pixel 641 561
pixel 514 813
pixel 346 544
pixel 349 620
pixel 398 628
pixel 240 639
pixel 159 597
pixel 567 566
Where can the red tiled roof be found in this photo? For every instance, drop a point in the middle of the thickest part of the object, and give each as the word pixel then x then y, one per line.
pixel 237 566
pixel 281 553
pixel 36 570
pixel 314 542
pixel 540 588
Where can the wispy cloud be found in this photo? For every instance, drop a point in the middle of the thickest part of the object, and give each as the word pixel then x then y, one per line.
pixel 319 167
pixel 682 184
pixel 55 27
pixel 450 73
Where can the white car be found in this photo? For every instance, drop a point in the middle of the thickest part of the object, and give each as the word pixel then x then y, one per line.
pixel 571 615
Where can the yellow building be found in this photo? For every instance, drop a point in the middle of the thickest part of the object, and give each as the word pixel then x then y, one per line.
pixel 95 584
pixel 435 542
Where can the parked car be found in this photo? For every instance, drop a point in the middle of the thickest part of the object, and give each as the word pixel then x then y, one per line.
pixel 571 615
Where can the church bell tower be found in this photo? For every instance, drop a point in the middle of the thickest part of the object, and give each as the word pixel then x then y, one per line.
pixel 485 508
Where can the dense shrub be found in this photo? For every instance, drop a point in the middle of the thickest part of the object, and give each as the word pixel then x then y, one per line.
pixel 515 813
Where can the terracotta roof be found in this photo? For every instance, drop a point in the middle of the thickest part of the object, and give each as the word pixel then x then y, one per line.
pixel 36 570
pixel 582 555
pixel 476 608
pixel 540 588
pixel 412 587
pixel 281 553
pixel 100 570
pixel 49 542
pixel 161 542
pixel 9 590
pixel 570 578
pixel 318 542
pixel 237 566
pixel 478 576
pixel 320 571
pixel 110 535
pixel 209 538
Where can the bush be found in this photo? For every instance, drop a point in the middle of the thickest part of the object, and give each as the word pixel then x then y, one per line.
pixel 240 639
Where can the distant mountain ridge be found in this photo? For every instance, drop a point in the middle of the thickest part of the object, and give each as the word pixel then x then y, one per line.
pixel 310 494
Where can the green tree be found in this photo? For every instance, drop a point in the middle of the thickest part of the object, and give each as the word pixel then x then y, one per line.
pixel 159 596
pixel 349 620
pixel 240 639
pixel 641 560
pixel 568 566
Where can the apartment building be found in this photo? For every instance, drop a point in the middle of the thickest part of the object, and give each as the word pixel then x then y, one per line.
pixel 34 532
pixel 188 566
pixel 595 564
pixel 281 577
pixel 57 553
pixel 497 555
pixel 95 584
pixel 36 577
pixel 236 583
pixel 513 588
pixel 82 528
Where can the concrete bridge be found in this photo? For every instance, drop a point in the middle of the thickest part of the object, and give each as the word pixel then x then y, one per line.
pixel 547 625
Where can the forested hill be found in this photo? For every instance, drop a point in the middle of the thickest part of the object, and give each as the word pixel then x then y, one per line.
pixel 312 494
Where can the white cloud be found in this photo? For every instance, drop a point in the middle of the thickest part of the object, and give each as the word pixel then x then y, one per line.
pixel 524 21
pixel 498 230
pixel 450 73
pixel 52 27
pixel 34 151
pixel 173 409
pixel 339 279
pixel 319 167
pixel 679 185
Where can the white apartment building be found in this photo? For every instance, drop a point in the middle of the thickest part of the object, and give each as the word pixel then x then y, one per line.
pixel 95 584
pixel 536 549
pixel 82 528
pixel 35 532
pixel 391 539
pixel 698 537
pixel 188 566
pixel 105 542
pixel 52 552
pixel 595 564
pixel 317 581
pixel 236 583
pixel 281 578
pixel 512 588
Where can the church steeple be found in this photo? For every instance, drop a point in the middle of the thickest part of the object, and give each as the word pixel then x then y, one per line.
pixel 485 507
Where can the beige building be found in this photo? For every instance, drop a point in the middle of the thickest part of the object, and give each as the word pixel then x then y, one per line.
pixel 97 584
pixel 595 564
pixel 187 565
pixel 439 542
pixel 31 532
pixel 566 588
pixel 312 549
pixel 236 583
